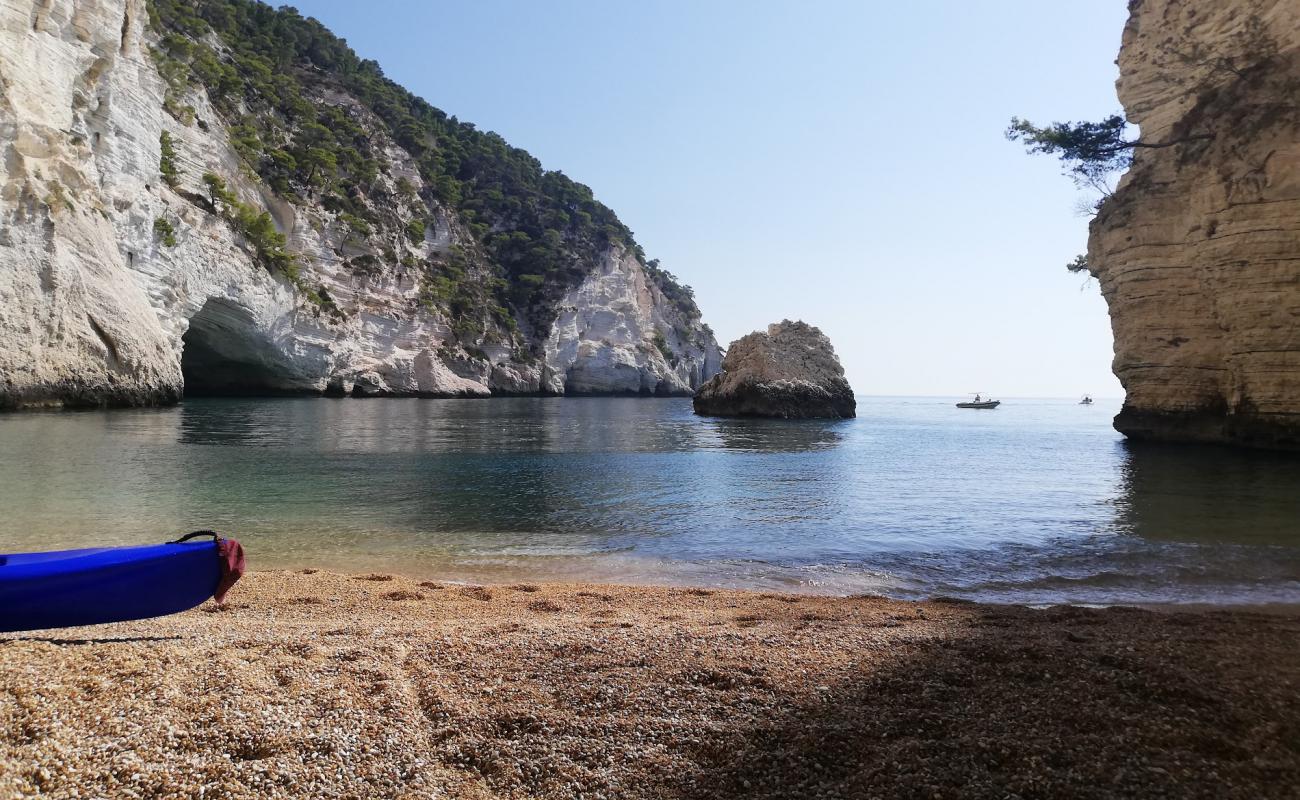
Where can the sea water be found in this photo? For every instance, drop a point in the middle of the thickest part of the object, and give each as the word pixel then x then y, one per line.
pixel 1037 501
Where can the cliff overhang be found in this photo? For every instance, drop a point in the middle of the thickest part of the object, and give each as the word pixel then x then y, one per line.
pixel 1198 250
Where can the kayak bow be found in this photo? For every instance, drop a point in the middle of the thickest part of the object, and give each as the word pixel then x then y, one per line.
pixel 111 584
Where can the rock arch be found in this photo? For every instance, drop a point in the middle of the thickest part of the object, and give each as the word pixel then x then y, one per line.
pixel 225 352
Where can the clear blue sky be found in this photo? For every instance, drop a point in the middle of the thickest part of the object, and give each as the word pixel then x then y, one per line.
pixel 837 161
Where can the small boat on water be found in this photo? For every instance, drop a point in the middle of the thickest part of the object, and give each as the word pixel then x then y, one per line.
pixel 980 402
pixel 64 588
pixel 1086 401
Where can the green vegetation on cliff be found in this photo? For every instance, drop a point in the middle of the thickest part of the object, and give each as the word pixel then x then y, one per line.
pixel 1095 152
pixel 167 161
pixel 284 84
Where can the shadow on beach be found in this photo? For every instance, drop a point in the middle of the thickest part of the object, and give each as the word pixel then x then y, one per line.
pixel 1099 704
pixel 383 686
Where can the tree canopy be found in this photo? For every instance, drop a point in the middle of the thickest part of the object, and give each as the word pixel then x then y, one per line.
pixel 1092 151
pixel 274 76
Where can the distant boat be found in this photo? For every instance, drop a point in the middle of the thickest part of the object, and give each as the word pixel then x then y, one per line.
pixel 979 403
pixel 1086 401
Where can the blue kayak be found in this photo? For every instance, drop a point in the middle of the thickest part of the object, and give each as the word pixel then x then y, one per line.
pixel 111 584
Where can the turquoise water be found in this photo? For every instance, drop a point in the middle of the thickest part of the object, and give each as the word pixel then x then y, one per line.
pixel 1038 501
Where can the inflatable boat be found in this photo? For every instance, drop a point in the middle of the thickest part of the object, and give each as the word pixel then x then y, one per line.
pixel 112 584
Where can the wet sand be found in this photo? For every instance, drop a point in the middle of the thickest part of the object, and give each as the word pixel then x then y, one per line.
pixel 328 685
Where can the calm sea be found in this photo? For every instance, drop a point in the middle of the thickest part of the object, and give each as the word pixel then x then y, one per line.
pixel 1038 501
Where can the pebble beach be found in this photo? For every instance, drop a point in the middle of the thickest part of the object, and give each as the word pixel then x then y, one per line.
pixel 312 684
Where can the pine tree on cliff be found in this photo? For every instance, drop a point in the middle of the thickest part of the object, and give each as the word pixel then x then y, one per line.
pixel 1093 152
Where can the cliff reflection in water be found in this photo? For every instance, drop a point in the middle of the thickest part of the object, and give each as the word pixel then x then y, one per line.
pixel 776 435
pixel 514 425
pixel 1209 494
pixel 409 425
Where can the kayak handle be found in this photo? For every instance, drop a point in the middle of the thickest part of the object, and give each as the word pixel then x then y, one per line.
pixel 215 536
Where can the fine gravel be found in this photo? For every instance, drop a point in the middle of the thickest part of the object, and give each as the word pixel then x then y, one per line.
pixel 323 685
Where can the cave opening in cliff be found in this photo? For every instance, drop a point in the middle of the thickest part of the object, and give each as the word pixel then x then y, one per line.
pixel 224 353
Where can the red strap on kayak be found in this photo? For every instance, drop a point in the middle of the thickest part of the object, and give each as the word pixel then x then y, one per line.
pixel 231 554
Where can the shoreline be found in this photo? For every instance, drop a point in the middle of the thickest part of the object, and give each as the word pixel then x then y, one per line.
pixel 327 684
pixel 656 573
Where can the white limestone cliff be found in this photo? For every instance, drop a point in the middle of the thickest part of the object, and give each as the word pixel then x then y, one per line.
pixel 602 342
pixel 95 309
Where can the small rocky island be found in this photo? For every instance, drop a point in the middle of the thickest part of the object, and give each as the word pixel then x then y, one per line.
pixel 791 372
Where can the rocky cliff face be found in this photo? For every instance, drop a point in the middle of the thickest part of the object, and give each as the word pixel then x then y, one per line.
pixel 1198 251
pixel 789 371
pixel 121 285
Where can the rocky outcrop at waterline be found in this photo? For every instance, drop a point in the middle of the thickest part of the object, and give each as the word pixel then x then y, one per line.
pixel 1198 251
pixel 181 211
pixel 790 371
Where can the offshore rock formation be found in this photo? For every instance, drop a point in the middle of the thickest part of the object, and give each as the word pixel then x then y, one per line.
pixel 791 371
pixel 119 286
pixel 1198 251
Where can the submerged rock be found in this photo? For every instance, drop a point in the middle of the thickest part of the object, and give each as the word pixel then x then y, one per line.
pixel 791 371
